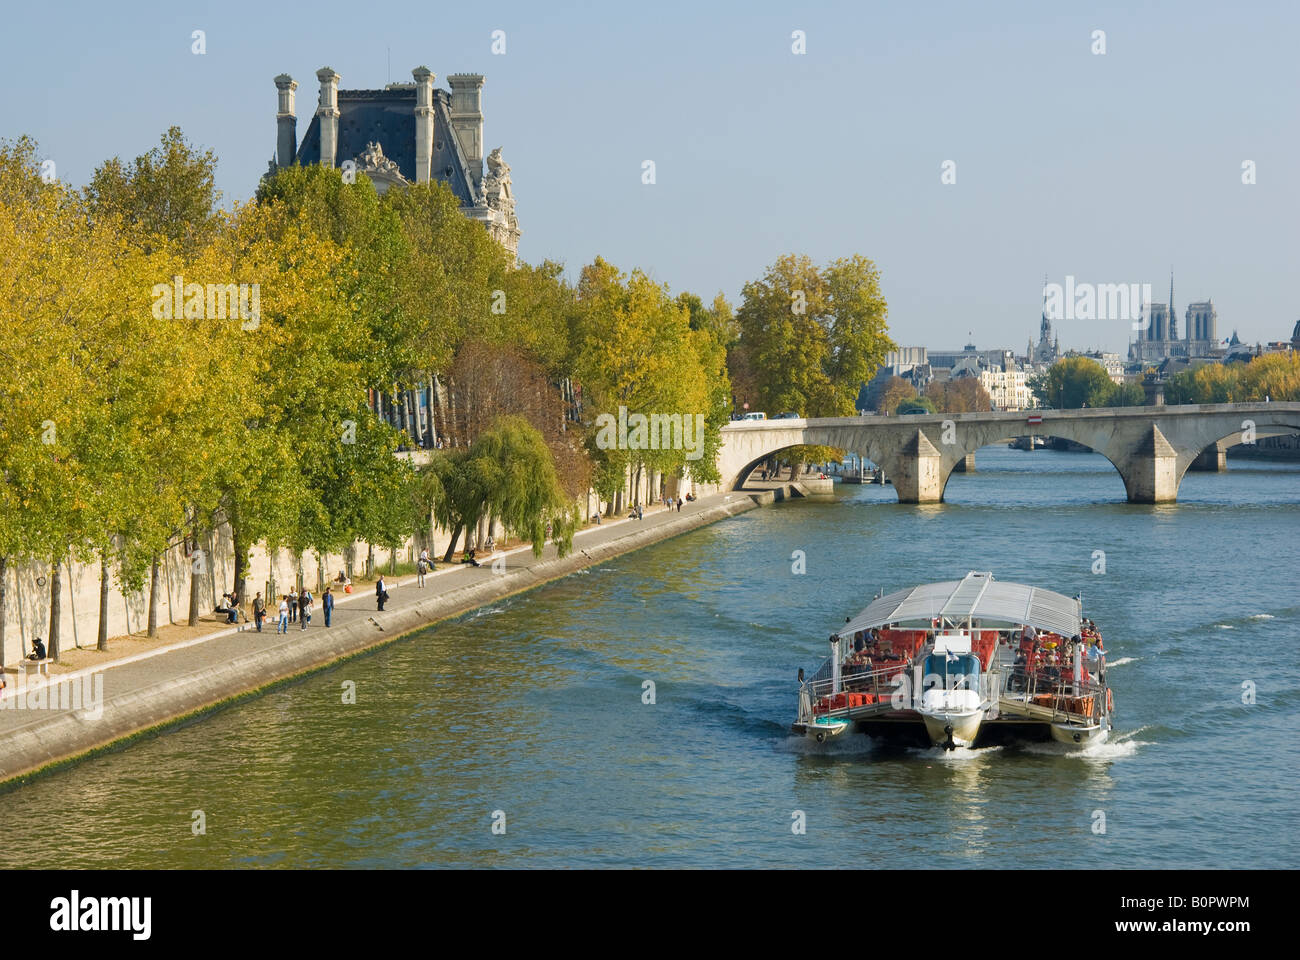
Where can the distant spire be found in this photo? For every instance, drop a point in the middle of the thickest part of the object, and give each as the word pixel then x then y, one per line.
pixel 1173 317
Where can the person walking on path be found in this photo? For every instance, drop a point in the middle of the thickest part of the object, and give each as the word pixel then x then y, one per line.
pixel 259 610
pixel 381 594
pixel 283 625
pixel 304 607
pixel 293 606
pixel 327 604
pixel 640 514
pixel 679 504
pixel 423 564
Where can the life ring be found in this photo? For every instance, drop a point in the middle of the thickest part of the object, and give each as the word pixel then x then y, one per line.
pixel 821 737
pixel 1110 701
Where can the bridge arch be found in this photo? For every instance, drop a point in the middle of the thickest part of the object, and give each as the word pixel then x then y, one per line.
pixel 1151 447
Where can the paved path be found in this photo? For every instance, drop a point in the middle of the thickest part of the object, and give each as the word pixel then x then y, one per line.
pixel 152 688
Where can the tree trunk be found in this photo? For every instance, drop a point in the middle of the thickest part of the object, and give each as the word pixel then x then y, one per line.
pixel 370 559
pixel 241 562
pixel 454 433
pixel 101 641
pixel 197 562
pixel 56 609
pixel 451 547
pixel 153 597
pixel 4 611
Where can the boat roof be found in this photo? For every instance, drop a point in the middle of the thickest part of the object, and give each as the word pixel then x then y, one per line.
pixel 978 596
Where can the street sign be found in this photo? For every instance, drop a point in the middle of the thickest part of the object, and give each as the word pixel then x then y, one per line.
pixel 1035 418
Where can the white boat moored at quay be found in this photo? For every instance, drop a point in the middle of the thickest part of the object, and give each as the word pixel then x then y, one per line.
pixel 963 663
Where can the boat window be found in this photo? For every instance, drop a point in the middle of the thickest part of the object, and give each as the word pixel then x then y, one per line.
pixel 940 670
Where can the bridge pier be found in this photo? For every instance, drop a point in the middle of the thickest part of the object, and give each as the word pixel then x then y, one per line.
pixel 1150 472
pixel 965 465
pixel 1213 459
pixel 917 474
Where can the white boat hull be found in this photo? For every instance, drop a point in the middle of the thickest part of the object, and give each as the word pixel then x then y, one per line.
pixel 1076 736
pixel 965 726
pixel 820 732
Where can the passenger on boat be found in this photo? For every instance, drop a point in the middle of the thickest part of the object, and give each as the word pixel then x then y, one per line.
pixel 1018 675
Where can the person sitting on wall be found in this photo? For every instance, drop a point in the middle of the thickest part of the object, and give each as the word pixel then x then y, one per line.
pixel 230 610
pixel 469 558
pixel 38 650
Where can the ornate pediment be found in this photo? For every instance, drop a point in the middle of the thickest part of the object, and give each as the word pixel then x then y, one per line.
pixel 372 162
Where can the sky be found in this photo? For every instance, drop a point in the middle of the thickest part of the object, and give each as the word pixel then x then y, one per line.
pixel 1111 167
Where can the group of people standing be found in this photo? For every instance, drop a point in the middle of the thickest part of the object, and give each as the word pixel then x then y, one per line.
pixel 294 608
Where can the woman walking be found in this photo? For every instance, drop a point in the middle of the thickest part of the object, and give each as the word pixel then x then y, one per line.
pixel 283 625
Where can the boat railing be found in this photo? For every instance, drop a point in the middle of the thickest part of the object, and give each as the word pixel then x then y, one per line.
pixel 880 683
pixel 1067 699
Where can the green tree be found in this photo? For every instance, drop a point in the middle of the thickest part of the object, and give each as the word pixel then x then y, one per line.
pixel 169 193
pixel 1072 383
pixel 813 336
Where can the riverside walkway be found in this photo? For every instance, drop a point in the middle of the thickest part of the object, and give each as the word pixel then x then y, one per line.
pixel 155 688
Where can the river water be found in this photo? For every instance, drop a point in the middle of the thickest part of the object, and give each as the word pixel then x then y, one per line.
pixel 534 708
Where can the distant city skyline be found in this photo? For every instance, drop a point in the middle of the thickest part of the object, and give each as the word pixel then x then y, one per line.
pixel 1110 168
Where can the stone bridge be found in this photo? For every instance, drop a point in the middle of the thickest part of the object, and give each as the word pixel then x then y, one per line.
pixel 1151 447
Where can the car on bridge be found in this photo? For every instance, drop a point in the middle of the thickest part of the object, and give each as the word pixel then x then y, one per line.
pixel 788 415
pixel 754 416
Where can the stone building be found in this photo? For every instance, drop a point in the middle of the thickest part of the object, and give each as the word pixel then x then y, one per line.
pixel 405 133
pixel 1158 339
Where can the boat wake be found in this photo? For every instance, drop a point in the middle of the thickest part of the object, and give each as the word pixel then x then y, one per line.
pixel 957 755
pixel 1115 747
pixel 1121 661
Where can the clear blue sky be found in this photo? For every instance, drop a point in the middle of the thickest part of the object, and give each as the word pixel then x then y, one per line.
pixel 1109 168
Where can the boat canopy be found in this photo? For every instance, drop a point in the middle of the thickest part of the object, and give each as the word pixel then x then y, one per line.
pixel 976 596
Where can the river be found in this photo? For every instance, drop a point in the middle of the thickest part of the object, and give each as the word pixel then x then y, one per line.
pixel 534 709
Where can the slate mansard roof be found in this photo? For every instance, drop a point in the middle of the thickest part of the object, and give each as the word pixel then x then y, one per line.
pixel 387 117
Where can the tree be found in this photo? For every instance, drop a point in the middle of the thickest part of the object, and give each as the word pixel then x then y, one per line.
pixel 813 337
pixel 962 395
pixel 1128 394
pixel 895 391
pixel 636 355
pixel 916 405
pixel 1276 376
pixel 168 193
pixel 507 473
pixel 1071 383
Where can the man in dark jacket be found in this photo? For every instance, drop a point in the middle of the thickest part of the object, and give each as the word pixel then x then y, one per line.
pixel 327 604
pixel 380 593
pixel 38 650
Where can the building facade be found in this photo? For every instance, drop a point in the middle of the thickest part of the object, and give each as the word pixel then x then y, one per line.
pixel 1159 340
pixel 401 134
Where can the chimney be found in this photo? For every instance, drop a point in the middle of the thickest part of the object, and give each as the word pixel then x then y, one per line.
pixel 328 112
pixel 467 119
pixel 286 122
pixel 423 123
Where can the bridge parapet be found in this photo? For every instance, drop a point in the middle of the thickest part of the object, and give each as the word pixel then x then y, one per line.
pixel 1151 447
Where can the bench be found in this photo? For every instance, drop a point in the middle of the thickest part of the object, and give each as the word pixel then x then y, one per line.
pixel 39 667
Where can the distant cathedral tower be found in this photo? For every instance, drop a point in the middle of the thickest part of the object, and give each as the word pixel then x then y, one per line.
pixel 1048 350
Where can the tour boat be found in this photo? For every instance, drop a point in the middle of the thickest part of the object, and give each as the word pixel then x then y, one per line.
pixel 963 663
